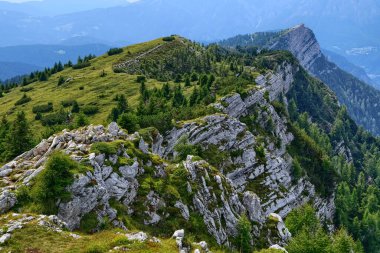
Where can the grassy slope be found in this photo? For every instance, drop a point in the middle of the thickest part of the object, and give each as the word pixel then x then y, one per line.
pixel 34 238
pixel 96 90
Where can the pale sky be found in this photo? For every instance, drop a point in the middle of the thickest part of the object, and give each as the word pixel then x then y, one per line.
pixel 22 1
pixel 18 1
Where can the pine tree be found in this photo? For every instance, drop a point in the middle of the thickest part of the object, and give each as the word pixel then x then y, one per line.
pixel 178 98
pixel 194 97
pixel 43 76
pixel 19 138
pixel 81 120
pixel 122 104
pixel 4 129
pixel 75 108
pixel 166 92
pixel 187 82
pixel 59 67
pixel 244 235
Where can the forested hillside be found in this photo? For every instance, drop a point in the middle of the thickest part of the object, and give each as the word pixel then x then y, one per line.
pixel 222 143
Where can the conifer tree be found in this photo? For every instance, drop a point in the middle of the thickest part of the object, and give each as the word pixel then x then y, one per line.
pixel 19 138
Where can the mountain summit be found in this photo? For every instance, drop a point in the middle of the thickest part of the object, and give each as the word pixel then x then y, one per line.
pixel 361 100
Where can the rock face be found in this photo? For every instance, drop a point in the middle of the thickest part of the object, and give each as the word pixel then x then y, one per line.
pixel 362 106
pixel 251 173
pixel 302 43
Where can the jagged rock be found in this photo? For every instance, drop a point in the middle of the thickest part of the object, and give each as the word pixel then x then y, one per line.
pixel 143 146
pixel 179 233
pixel 7 201
pixel 278 247
pixel 4 238
pixel 113 129
pixel 154 202
pixel 155 240
pixel 6 172
pixel 253 205
pixel 283 232
pixel 75 236
pixel 184 210
pixel 129 171
pixel 140 236
pixel 203 246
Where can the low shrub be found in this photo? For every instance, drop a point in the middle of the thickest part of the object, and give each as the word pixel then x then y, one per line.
pixel 50 185
pixel 89 222
pixel 43 108
pixel 81 65
pixel 26 89
pixel 25 99
pixel 108 148
pixel 52 119
pixel 67 103
pixel 168 39
pixel 90 109
pixel 114 51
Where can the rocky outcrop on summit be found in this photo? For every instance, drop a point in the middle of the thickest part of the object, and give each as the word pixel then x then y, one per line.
pixel 301 42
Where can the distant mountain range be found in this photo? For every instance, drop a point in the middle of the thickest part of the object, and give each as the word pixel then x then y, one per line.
pixel 12 69
pixel 351 68
pixel 347 28
pixel 19 60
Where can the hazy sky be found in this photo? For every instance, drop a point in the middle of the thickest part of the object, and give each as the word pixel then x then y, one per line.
pixel 22 1
pixel 17 1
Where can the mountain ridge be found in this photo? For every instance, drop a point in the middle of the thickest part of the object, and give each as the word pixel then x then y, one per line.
pixel 302 43
pixel 227 145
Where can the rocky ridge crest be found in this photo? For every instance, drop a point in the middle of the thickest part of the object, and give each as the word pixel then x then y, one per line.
pixel 244 182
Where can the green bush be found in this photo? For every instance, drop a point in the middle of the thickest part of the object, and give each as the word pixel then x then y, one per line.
pixel 185 148
pixel 168 39
pixel 105 148
pixel 297 171
pixel 96 248
pixel 243 239
pixel 81 65
pixel 141 79
pixel 89 222
pixel 260 154
pixel 25 99
pixel 50 185
pixel 129 121
pixel 114 51
pixel 61 80
pixel 67 103
pixel 52 119
pixel 26 89
pixel 90 109
pixel 43 108
pixel 75 108
pixel 81 120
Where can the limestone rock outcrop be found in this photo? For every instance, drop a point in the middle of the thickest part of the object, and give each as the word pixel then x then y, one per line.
pixel 251 175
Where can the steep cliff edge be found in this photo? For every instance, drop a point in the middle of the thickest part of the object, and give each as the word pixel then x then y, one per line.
pixel 360 98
